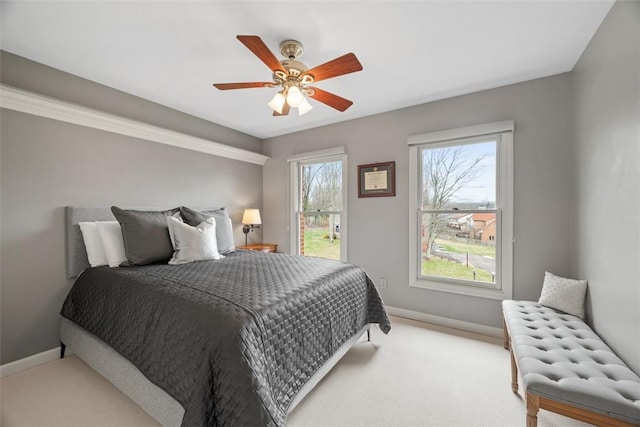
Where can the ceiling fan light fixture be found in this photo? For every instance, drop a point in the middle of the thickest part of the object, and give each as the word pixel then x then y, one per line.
pixel 277 103
pixel 294 78
pixel 304 107
pixel 294 97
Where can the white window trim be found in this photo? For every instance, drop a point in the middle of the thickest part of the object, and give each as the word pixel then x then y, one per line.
pixel 337 153
pixel 505 178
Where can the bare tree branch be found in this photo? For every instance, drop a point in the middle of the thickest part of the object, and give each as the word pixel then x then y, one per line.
pixel 445 172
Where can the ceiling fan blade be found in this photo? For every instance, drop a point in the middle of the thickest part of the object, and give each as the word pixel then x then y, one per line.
pixel 343 65
pixel 330 99
pixel 259 49
pixel 227 86
pixel 285 110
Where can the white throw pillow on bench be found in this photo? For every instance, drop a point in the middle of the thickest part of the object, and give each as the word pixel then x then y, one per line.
pixel 563 294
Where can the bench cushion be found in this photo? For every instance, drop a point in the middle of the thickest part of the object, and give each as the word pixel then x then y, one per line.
pixel 561 358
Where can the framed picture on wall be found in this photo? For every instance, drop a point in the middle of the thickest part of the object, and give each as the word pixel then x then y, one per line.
pixel 377 179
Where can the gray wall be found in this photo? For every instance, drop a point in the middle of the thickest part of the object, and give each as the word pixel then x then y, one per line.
pixel 607 179
pixel 46 165
pixel 577 204
pixel 378 227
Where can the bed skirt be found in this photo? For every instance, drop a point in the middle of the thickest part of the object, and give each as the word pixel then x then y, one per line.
pixel 121 373
pixel 155 401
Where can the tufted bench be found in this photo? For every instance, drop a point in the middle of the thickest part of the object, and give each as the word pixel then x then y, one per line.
pixel 566 368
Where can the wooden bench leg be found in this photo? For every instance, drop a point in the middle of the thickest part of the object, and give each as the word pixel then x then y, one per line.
pixel 533 406
pixel 514 373
pixel 505 335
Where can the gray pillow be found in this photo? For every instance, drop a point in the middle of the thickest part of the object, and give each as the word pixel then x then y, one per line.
pixel 145 235
pixel 224 227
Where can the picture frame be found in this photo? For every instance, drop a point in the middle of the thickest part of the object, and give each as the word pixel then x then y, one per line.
pixel 377 179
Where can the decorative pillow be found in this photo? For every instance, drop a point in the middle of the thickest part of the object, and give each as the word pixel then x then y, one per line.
pixel 145 235
pixel 224 227
pixel 563 294
pixel 193 243
pixel 92 243
pixel 112 244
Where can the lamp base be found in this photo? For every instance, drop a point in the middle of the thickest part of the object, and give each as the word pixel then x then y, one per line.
pixel 245 230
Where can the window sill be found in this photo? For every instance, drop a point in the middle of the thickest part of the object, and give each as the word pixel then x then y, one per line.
pixel 473 291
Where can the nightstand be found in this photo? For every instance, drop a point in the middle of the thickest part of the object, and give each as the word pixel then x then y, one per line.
pixel 261 247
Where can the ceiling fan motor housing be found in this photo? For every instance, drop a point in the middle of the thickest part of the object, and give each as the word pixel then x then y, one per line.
pixel 295 68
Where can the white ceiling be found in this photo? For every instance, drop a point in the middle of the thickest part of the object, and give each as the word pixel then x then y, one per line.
pixel 171 52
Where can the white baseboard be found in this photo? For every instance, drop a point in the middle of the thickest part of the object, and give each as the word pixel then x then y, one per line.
pixel 446 321
pixel 30 361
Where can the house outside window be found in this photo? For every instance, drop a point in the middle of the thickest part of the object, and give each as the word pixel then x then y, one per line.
pixel 461 210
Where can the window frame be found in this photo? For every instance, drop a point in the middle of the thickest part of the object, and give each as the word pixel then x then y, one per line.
pixel 503 210
pixel 295 163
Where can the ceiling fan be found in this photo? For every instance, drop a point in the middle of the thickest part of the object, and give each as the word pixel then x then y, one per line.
pixel 295 78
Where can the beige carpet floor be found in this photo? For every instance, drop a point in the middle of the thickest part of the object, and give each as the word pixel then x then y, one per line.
pixel 418 375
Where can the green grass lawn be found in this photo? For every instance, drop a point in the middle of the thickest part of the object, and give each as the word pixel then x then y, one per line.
pixel 315 243
pixel 445 268
pixel 463 248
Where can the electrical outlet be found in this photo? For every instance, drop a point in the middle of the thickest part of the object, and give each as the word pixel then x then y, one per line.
pixel 383 283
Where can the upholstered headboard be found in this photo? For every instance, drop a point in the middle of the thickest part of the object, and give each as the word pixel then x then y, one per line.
pixel 76 252
pixel 77 260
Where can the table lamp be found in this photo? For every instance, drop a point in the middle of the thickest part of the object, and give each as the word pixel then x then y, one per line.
pixel 251 219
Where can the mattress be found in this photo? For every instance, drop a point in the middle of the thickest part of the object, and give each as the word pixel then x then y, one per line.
pixel 235 340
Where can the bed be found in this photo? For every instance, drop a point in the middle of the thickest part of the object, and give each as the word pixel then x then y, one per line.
pixel 237 341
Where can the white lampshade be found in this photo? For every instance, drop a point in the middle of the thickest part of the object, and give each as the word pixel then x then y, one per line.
pixel 294 97
pixel 277 103
pixel 251 217
pixel 304 107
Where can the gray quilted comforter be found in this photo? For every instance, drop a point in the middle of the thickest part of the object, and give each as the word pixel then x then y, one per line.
pixel 232 340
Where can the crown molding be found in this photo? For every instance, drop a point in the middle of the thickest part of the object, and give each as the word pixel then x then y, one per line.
pixel 24 101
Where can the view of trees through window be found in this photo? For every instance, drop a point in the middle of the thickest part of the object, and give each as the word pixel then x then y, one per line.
pixel 320 209
pixel 458 209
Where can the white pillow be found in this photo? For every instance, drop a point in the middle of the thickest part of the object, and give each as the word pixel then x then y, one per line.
pixel 93 244
pixel 193 243
pixel 112 242
pixel 563 294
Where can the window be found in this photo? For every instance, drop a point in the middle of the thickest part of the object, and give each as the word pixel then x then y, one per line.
pixel 461 210
pixel 318 204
